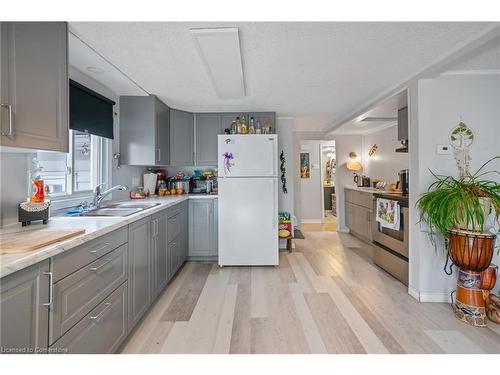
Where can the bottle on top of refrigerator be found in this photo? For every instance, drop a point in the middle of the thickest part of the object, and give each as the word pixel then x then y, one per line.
pixel 238 125
pixel 232 128
pixel 258 128
pixel 244 127
pixel 251 127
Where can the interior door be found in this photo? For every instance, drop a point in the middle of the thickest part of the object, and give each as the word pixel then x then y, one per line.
pixel 254 155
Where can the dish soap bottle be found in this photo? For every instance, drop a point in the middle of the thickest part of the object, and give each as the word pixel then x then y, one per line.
pixel 37 184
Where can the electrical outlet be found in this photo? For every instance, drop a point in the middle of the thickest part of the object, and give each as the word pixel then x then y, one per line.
pixel 443 149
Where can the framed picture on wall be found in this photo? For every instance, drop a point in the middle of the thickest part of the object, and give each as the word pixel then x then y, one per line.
pixel 305 170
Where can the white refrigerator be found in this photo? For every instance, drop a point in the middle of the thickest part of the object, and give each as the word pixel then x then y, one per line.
pixel 248 200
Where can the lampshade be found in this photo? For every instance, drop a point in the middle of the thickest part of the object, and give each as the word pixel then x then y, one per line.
pixel 354 165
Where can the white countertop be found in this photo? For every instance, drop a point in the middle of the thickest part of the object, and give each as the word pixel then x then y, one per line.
pixel 366 189
pixel 94 227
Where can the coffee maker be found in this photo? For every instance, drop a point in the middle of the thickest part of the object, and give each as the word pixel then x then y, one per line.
pixel 404 181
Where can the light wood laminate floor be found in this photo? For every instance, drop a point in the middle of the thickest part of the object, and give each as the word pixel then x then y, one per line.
pixel 325 297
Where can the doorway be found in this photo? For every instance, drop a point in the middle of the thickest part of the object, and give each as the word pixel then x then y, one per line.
pixel 317 190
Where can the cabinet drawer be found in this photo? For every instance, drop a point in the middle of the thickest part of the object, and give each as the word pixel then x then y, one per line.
pixel 77 294
pixel 102 330
pixel 360 198
pixel 173 227
pixel 72 260
pixel 175 210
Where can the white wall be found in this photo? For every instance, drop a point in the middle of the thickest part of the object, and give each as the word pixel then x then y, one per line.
pixel 13 184
pixel 442 103
pixel 385 163
pixel 284 128
pixel 344 144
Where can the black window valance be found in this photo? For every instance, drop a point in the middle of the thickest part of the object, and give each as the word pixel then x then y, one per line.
pixel 89 111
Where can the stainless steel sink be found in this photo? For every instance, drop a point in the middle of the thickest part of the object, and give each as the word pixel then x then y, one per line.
pixel 113 211
pixel 142 205
pixel 120 209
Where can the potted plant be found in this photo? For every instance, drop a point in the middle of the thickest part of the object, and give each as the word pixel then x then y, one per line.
pixel 457 209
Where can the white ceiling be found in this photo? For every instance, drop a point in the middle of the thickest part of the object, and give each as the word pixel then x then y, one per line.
pixel 389 108
pixel 318 73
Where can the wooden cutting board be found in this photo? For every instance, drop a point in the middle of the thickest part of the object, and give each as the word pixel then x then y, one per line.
pixel 22 242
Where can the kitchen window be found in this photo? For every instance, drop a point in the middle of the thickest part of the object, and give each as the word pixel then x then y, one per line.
pixel 77 173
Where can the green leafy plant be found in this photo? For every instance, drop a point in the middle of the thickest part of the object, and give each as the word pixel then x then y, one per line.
pixel 452 202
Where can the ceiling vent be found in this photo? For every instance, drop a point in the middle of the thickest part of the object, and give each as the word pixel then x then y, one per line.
pixel 219 51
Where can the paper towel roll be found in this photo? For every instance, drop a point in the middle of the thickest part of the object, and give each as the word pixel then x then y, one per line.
pixel 150 182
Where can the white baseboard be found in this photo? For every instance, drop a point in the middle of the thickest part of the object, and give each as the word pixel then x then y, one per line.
pixel 414 293
pixel 311 221
pixel 429 296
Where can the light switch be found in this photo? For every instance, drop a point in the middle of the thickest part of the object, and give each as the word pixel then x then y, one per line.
pixel 443 149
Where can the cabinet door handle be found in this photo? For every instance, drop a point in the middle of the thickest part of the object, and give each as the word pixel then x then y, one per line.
pixel 11 123
pixel 95 251
pixel 158 155
pixel 100 266
pixel 51 289
pixel 98 317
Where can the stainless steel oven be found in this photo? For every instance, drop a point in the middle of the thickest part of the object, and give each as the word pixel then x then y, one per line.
pixel 391 246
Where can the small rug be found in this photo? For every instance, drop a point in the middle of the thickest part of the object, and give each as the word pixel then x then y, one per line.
pixel 298 234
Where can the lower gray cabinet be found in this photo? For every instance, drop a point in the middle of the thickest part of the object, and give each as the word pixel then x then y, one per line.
pixel 177 237
pixel 101 331
pixel 203 230
pixel 140 269
pixel 80 292
pixel 159 251
pixel 24 314
pixel 358 213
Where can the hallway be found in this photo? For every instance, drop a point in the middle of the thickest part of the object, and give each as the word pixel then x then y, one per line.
pixel 325 297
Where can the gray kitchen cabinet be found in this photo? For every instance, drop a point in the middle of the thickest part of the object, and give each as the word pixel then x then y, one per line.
pixel 184 232
pixel 140 270
pixel 159 252
pixel 101 331
pixel 358 213
pixel 208 127
pixel 24 313
pixel 177 237
pixel 144 131
pixel 77 294
pixel 34 85
pixel 203 235
pixel 181 138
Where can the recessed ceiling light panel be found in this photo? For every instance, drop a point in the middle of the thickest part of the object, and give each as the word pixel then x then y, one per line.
pixel 219 51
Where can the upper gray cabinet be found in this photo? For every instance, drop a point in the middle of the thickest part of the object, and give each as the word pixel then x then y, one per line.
pixel 34 85
pixel 144 131
pixel 208 127
pixel 181 138
pixel 24 299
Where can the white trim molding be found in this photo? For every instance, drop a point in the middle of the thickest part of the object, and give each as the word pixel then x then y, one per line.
pixel 429 296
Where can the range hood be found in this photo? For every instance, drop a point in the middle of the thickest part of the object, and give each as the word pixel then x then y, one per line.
pixel 403 129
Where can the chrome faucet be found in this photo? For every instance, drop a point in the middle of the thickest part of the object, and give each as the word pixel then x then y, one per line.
pixel 99 195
